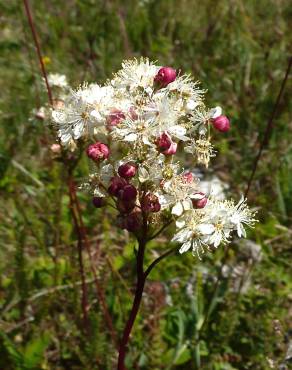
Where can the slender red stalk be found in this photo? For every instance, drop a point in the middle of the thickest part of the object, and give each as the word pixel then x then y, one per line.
pixel 38 49
pixel 141 279
pixel 269 126
pixel 71 186
pixel 75 207
pixel 136 304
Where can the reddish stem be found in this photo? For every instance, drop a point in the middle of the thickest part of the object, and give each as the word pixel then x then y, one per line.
pixel 269 127
pixel 135 307
pixel 141 279
pixel 38 49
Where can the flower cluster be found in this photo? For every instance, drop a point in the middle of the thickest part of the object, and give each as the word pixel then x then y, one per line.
pixel 137 123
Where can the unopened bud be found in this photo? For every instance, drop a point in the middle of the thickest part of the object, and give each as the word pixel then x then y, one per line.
pixel 56 148
pixel 98 202
pixel 126 206
pixel 98 151
pixel 127 193
pixel 150 203
pixel 116 184
pixel 165 76
pixel 200 201
pixel 127 170
pixel 221 123
pixel 165 144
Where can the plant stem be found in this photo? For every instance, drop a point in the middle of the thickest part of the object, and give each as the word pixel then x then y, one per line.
pixel 157 260
pixel 141 279
pixel 80 236
pixel 38 49
pixel 269 127
pixel 136 304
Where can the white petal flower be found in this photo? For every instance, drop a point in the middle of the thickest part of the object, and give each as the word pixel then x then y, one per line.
pixel 135 73
pixel 57 80
pixel 185 247
pixel 177 209
pixel 213 225
pixel 215 112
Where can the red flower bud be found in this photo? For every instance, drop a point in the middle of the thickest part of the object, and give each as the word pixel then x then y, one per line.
pixel 200 203
pixel 56 148
pixel 150 203
pixel 98 202
pixel 165 76
pixel 221 123
pixel 165 144
pixel 127 193
pixel 127 170
pixel 116 184
pixel 171 150
pixel 98 151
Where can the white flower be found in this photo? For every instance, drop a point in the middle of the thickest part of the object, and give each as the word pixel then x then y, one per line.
pixel 241 215
pixel 186 87
pixel 138 130
pixel 178 194
pixel 83 113
pixel 200 229
pixel 57 80
pixel 135 73
pixel 202 149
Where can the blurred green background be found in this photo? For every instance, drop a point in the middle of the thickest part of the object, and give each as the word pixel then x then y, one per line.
pixel 189 319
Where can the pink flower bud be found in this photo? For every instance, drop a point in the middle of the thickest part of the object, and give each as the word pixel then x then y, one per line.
pixel 221 123
pixel 188 177
pixel 98 151
pixel 127 170
pixel 164 141
pixel 98 202
pixel 114 118
pixel 116 184
pixel 201 202
pixel 150 203
pixel 171 150
pixel 165 76
pixel 56 148
pixel 165 144
pixel 127 193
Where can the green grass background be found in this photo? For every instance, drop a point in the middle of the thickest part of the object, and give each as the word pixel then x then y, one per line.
pixel 239 50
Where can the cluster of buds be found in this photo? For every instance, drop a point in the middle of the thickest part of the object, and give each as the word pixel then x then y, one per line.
pixel 141 118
